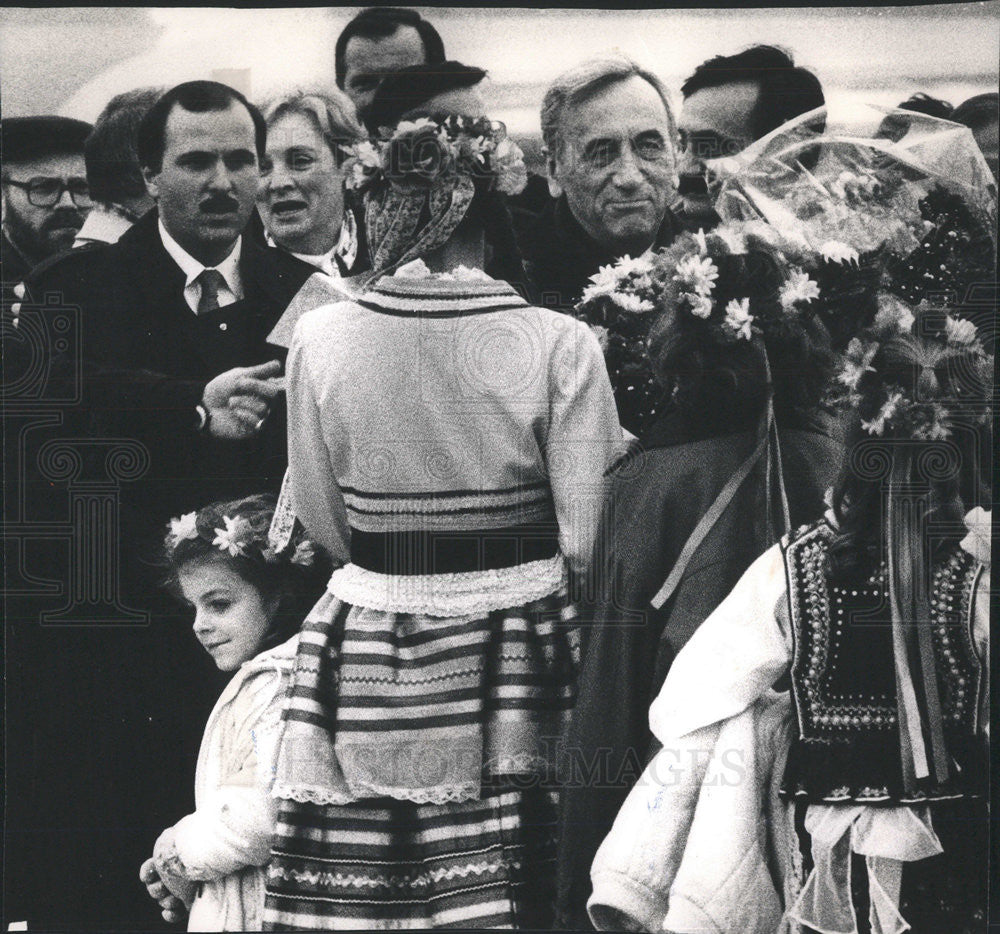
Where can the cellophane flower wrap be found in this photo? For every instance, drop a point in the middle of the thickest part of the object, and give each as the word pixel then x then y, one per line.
pixel 876 199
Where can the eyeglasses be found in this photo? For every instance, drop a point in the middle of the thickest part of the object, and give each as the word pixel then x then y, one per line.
pixel 46 192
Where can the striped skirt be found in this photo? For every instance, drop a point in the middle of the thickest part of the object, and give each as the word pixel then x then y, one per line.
pixel 394 865
pixel 414 770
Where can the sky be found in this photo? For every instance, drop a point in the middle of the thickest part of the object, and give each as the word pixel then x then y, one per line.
pixel 877 54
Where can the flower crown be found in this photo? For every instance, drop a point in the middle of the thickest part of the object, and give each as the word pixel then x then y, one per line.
pixel 915 372
pixel 426 152
pixel 685 277
pixel 238 537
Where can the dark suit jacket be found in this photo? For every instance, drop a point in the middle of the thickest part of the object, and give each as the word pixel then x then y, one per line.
pixel 147 358
pixel 104 721
pixel 559 255
pixel 657 496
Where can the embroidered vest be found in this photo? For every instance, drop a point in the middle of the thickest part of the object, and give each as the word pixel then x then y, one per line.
pixel 844 683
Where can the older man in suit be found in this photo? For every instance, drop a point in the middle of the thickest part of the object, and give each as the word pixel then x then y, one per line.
pixel 176 368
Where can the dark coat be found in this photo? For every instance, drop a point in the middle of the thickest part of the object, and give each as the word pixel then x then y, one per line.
pixel 104 718
pixel 559 255
pixel 656 499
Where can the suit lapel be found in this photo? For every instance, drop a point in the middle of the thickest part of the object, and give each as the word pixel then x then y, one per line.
pixel 159 284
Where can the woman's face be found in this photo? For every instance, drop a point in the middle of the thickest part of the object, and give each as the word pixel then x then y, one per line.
pixel 301 194
pixel 231 616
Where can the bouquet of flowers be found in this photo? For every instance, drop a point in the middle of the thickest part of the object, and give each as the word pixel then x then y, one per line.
pixel 859 184
pixel 424 152
pixel 724 287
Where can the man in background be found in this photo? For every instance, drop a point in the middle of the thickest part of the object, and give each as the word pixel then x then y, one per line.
pixel 608 136
pixel 178 376
pixel 729 102
pixel 980 114
pixel 116 184
pixel 45 193
pixel 379 41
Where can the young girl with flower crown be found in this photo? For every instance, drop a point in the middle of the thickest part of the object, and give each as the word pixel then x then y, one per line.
pixel 247 600
pixel 854 802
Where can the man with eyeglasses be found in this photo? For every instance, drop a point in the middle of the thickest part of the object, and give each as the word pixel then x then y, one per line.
pixel 608 135
pixel 45 194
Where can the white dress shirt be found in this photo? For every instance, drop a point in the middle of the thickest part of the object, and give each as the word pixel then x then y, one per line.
pixel 229 269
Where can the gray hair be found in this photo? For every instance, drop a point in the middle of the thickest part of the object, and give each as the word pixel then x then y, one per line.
pixel 586 79
pixel 331 112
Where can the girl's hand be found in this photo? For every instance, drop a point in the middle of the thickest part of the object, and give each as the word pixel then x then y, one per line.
pixel 172 908
pixel 170 869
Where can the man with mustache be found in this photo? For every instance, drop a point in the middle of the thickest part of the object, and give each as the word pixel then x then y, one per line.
pixel 730 101
pixel 45 196
pixel 608 136
pixel 177 374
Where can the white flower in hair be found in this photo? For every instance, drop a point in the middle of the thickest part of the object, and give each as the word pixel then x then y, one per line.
pixel 304 553
pixel 738 317
pixel 893 315
pixel 877 425
pixel 631 303
pixel 833 251
pixel 701 305
pixel 234 536
pixel 959 330
pixel 697 273
pixel 979 522
pixel 859 357
pixel 798 288
pixel 183 527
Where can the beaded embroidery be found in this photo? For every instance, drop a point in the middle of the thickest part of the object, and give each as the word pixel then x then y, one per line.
pixel 828 620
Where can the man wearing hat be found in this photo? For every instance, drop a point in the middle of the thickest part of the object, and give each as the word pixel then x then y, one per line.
pixel 45 193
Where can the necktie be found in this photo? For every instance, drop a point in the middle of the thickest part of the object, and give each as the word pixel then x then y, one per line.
pixel 210 280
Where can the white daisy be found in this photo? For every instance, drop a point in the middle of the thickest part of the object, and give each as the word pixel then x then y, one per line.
pixel 738 318
pixel 697 273
pixel 701 305
pixel 859 357
pixel 959 330
pixel 893 315
pixel 233 536
pixel 184 527
pixel 798 287
pixel 877 425
pixel 630 302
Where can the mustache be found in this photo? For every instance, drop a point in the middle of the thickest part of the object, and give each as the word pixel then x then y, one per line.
pixel 219 204
pixel 62 218
pixel 692 184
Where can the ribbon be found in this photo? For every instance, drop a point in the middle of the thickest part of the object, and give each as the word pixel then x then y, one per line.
pixel 918 700
pixel 887 838
pixel 767 441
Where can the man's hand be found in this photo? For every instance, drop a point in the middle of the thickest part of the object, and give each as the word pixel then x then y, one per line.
pixel 173 908
pixel 239 400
